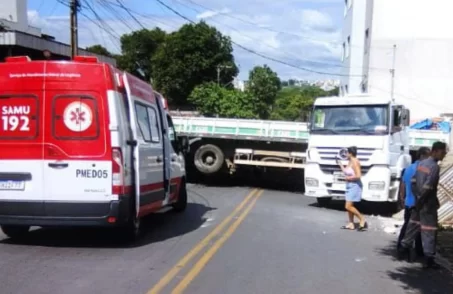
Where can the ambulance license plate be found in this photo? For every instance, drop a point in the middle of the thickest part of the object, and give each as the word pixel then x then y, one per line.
pixel 12 185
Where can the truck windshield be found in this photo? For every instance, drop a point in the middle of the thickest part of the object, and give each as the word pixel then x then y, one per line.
pixel 350 119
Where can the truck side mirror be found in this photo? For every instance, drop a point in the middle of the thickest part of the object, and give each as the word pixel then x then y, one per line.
pixel 396 117
pixel 405 117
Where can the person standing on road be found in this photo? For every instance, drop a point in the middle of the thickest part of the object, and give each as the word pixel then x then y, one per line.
pixel 407 198
pixel 424 216
pixel 353 194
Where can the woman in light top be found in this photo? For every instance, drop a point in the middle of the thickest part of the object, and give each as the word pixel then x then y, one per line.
pixel 353 173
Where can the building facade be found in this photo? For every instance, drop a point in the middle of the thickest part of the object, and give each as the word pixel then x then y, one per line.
pixel 400 48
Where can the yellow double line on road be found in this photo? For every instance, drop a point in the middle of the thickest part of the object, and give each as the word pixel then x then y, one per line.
pixel 250 201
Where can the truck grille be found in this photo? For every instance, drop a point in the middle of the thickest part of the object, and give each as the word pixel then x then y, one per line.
pixel 331 168
pixel 331 153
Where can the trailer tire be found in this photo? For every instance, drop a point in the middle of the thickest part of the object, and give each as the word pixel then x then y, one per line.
pixel 207 164
pixel 323 201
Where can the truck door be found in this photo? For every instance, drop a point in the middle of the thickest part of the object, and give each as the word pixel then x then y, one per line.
pixel 148 153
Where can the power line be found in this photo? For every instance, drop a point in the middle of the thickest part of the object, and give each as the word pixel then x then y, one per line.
pixel 337 43
pixel 260 54
pixel 295 58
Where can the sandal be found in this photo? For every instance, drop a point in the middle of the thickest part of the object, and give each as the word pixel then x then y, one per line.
pixel 363 227
pixel 348 227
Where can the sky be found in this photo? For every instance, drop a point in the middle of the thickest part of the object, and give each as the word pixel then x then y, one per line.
pixel 306 34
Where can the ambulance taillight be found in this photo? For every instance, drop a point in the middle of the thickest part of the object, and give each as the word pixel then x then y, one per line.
pixel 117 172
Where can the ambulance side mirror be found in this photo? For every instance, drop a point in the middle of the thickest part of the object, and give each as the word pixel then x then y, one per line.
pixel 184 144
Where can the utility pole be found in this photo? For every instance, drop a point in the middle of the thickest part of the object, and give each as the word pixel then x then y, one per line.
pixel 219 68
pixel 392 72
pixel 74 6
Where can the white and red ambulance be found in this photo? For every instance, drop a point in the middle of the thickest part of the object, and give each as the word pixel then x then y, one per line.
pixel 84 144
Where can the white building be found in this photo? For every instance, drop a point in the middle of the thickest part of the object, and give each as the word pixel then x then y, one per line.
pixel 422 34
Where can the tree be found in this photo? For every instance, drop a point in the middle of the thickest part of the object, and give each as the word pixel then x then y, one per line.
pixel 137 50
pixel 190 57
pixel 212 100
pixel 295 104
pixel 264 85
pixel 98 49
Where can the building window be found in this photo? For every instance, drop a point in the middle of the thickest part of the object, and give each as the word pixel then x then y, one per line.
pixel 348 47
pixel 367 36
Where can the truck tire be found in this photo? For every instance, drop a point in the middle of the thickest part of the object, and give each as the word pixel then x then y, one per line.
pixel 208 159
pixel 15 232
pixel 324 201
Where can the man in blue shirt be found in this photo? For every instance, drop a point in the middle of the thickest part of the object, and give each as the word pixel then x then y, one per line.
pixel 407 197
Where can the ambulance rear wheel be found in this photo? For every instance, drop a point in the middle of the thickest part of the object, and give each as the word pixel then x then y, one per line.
pixel 132 229
pixel 15 231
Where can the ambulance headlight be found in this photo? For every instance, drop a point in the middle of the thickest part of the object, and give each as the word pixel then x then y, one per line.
pixel 376 186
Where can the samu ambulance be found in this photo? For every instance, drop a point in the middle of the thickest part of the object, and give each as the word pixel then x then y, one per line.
pixel 84 144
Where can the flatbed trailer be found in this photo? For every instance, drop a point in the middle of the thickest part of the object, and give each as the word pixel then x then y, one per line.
pixel 219 143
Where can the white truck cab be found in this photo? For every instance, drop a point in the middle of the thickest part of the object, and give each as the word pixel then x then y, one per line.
pixel 377 126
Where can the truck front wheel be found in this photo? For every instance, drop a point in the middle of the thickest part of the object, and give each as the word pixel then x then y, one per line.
pixel 208 159
pixel 324 201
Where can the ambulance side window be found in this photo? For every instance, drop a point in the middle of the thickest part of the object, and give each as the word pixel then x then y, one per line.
pixel 143 121
pixel 155 138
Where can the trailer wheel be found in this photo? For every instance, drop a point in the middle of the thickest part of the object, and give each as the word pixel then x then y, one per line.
pixel 15 232
pixel 208 159
pixel 324 201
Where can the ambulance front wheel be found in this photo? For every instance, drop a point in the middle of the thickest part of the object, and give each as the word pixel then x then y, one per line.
pixel 181 204
pixel 15 231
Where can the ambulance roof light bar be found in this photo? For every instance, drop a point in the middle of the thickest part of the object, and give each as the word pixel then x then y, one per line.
pixel 17 59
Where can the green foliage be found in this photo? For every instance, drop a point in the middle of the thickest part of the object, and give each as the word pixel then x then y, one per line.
pixel 189 58
pixel 137 50
pixel 295 104
pixel 98 49
pixel 264 84
pixel 212 100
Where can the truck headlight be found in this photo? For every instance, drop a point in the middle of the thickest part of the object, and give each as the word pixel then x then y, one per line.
pixel 310 182
pixel 376 186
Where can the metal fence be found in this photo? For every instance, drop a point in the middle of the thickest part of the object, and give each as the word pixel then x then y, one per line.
pixel 445 194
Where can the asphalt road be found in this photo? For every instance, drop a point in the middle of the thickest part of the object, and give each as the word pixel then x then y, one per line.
pixel 276 242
